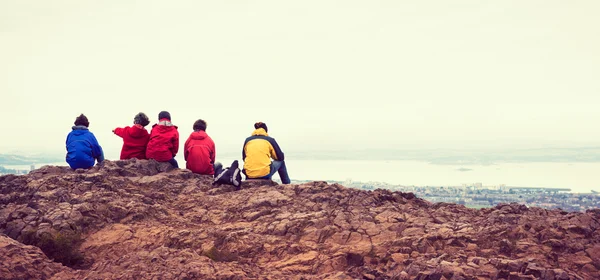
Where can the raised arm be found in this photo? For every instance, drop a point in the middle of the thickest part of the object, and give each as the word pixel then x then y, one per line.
pixel 120 131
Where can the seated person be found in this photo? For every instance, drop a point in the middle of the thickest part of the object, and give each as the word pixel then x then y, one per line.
pixel 135 138
pixel 199 151
pixel 257 153
pixel 82 147
pixel 164 140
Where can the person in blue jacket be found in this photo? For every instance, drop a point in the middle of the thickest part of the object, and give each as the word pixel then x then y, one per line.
pixel 82 147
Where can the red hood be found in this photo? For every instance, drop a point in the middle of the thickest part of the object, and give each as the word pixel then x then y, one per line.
pixel 198 135
pixel 164 128
pixel 138 132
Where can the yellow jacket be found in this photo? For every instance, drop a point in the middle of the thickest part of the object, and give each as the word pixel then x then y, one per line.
pixel 257 153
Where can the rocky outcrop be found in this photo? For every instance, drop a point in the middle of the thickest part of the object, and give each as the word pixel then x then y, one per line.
pixel 144 220
pixel 21 261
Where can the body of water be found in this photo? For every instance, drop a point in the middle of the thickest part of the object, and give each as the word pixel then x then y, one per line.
pixel 578 176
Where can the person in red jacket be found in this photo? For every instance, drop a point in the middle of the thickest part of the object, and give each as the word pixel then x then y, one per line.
pixel 164 140
pixel 199 151
pixel 135 138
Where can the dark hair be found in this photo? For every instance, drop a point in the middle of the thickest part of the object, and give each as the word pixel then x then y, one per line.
pixel 82 120
pixel 141 119
pixel 261 125
pixel 164 115
pixel 200 125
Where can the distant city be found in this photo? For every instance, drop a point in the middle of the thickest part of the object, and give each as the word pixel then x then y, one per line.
pixel 477 195
pixel 5 171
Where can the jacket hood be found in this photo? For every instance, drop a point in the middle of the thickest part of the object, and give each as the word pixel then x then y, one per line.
pixel 164 128
pixel 165 122
pixel 198 135
pixel 79 129
pixel 260 131
pixel 138 132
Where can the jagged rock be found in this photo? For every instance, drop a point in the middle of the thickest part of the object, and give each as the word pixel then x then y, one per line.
pixel 21 261
pixel 255 183
pixel 141 219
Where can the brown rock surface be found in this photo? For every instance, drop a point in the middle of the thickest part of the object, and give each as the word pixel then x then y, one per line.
pixel 20 261
pixel 140 219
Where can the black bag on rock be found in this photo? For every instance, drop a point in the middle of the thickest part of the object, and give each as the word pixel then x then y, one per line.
pixel 230 176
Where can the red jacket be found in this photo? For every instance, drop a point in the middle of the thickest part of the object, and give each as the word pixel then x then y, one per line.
pixel 199 153
pixel 164 142
pixel 135 139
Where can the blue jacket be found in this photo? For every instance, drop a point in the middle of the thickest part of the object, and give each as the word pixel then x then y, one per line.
pixel 83 148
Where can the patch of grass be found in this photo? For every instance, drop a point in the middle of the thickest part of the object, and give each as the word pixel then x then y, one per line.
pixel 61 247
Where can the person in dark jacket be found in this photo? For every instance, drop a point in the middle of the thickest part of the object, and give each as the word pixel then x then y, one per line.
pixel 164 140
pixel 82 146
pixel 199 151
pixel 257 153
pixel 135 138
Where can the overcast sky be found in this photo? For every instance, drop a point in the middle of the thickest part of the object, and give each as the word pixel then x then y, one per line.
pixel 322 74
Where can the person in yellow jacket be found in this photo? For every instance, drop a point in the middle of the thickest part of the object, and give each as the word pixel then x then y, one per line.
pixel 257 153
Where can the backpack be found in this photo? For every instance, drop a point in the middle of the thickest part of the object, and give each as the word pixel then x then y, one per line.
pixel 230 176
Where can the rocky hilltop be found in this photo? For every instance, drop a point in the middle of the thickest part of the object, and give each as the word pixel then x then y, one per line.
pixel 144 220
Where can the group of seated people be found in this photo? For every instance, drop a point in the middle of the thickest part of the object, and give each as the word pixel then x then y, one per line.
pixel 261 154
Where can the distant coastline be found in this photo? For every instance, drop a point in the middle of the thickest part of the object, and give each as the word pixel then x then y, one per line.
pixel 25 159
pixel 432 156
pixel 574 168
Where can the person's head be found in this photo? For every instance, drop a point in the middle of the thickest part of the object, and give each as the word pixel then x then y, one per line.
pixel 82 121
pixel 141 119
pixel 164 115
pixel 261 125
pixel 200 125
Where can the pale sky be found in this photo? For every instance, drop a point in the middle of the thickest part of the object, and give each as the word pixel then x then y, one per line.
pixel 322 74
